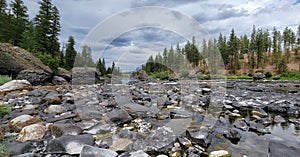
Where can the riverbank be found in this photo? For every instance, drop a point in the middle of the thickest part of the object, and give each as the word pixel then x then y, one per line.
pixel 180 118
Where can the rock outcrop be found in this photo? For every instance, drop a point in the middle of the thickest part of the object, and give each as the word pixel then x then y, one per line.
pixel 20 64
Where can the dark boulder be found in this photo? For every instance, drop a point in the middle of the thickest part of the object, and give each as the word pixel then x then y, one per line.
pixel 21 64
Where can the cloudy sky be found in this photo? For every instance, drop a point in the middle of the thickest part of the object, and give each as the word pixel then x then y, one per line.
pixel 120 31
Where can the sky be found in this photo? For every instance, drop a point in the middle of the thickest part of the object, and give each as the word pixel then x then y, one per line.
pixel 120 31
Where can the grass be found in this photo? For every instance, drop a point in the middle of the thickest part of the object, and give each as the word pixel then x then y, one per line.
pixel 293 75
pixel 4 151
pixel 3 110
pixel 4 79
pixel 242 77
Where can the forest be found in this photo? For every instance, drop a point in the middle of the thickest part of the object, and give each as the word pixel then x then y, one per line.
pixel 239 54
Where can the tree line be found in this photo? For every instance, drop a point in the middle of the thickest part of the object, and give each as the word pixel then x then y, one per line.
pixel 253 53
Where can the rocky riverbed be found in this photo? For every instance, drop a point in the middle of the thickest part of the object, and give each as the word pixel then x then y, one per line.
pixel 140 119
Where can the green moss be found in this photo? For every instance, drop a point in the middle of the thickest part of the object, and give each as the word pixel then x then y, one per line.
pixel 4 151
pixel 4 79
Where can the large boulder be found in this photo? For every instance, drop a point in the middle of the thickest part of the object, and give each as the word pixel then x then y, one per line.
pixel 259 76
pixel 35 76
pixel 142 75
pixel 85 75
pixel 14 85
pixel 13 60
pixel 67 75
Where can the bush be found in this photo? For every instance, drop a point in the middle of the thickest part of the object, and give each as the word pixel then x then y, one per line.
pixel 292 75
pixel 243 77
pixel 204 77
pixel 4 79
pixel 51 62
pixel 268 74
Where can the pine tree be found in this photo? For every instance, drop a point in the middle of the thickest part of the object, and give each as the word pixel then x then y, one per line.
pixel 5 24
pixel 70 53
pixel 28 41
pixel 47 28
pixel 3 6
pixel 233 45
pixel 20 21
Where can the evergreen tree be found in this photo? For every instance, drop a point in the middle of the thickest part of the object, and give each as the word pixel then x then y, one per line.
pixel 5 24
pixel 222 46
pixel 84 59
pixel 233 45
pixel 47 28
pixel 70 53
pixel 2 6
pixel 20 21
pixel 28 41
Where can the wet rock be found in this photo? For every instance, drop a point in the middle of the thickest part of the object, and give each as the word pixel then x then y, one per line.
pixel 18 123
pixel 279 119
pixel 57 109
pixel 57 80
pixel 258 127
pixel 278 150
pixel 120 144
pixel 62 117
pixel 119 116
pixel 32 132
pixel 14 85
pixel 219 153
pixel 69 144
pixel 65 129
pixel 89 151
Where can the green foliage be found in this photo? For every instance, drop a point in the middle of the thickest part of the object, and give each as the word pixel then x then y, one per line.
pixel 4 150
pixel 292 75
pixel 268 74
pixel 4 79
pixel 70 54
pixel 243 77
pixel 204 77
pixel 84 59
pixel 50 61
pixel 165 75
pixel 3 110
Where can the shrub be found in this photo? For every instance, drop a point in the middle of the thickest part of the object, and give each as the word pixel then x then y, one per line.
pixel 48 60
pixel 292 75
pixel 268 74
pixel 204 77
pixel 4 79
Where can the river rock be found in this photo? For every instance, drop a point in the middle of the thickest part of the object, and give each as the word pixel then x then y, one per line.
pixel 57 80
pixel 69 144
pixel 279 119
pixel 258 76
pixel 139 153
pixel 65 129
pixel 119 116
pixel 219 153
pixel 85 75
pixel 120 144
pixel 67 75
pixel 18 148
pixel 18 123
pixel 57 109
pixel 32 132
pixel 14 85
pixel 89 151
pixel 52 97
pixel 279 150
pixel 200 137
pixel 142 75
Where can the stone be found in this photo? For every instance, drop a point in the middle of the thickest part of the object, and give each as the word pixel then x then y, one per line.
pixel 32 132
pixel 57 80
pixel 89 151
pixel 258 76
pixel 159 140
pixel 14 59
pixel 18 148
pixel 120 144
pixel 279 119
pixel 65 129
pixel 233 135
pixel 18 123
pixel 142 75
pixel 67 75
pixel 71 144
pixel 139 153
pixel 57 109
pixel 14 85
pixel 279 150
pixel 200 136
pixel 179 126
pixel 119 116
pixel 135 109
pixel 219 153
pixel 52 97
pixel 240 124
pixel 35 76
